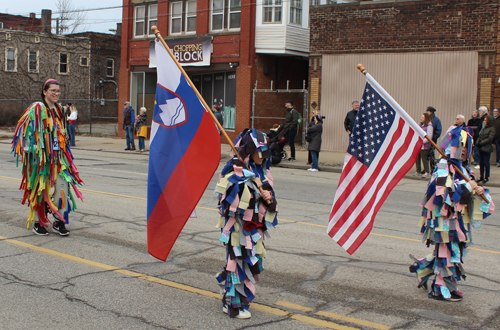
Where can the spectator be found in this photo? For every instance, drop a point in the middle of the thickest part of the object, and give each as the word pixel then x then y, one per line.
pixel 426 124
pixel 218 115
pixel 314 133
pixel 350 118
pixel 128 125
pixel 496 141
pixel 141 128
pixel 436 133
pixel 484 142
pixel 72 123
pixel 475 124
pixel 291 127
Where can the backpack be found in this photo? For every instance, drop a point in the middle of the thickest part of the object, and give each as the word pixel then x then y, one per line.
pixel 299 121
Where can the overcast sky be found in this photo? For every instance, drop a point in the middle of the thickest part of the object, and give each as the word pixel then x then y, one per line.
pixel 96 19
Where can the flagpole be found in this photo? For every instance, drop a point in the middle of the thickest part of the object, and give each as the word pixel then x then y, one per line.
pixel 158 36
pixel 219 126
pixel 362 69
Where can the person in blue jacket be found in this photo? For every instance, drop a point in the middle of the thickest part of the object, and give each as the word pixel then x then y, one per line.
pixel 128 125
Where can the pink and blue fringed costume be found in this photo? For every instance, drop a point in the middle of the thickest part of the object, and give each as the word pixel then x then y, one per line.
pixel 450 209
pixel 244 220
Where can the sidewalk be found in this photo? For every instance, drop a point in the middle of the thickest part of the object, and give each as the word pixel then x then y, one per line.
pixel 329 161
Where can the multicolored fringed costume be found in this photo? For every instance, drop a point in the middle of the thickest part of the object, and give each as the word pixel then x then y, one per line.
pixel 450 209
pixel 245 219
pixel 40 140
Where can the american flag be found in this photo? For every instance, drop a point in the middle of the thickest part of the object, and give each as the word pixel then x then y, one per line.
pixel 383 147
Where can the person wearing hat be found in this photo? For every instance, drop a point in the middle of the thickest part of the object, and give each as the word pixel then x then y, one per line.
pixel 450 209
pixel 41 141
pixel 128 125
pixel 436 133
pixel 247 208
pixel 291 127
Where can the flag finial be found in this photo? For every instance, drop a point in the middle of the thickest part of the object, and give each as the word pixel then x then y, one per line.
pixel 361 68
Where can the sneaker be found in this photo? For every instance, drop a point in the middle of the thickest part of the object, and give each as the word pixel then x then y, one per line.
pixel 455 297
pixel 59 227
pixel 416 174
pixel 425 175
pixel 438 297
pixel 39 230
pixel 291 159
pixel 243 314
pixel 132 149
pixel 224 308
pixel 314 170
pixel 498 164
pixel 310 169
pixel 127 148
pixel 476 167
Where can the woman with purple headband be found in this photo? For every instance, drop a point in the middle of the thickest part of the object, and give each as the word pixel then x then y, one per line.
pixel 41 142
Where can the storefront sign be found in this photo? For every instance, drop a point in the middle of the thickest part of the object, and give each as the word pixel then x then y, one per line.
pixel 189 51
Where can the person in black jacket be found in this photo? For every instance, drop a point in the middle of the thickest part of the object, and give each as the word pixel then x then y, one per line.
pixel 496 141
pixel 314 133
pixel 484 143
pixel 350 118
pixel 475 123
pixel 291 127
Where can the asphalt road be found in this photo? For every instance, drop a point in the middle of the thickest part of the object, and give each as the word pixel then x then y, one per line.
pixel 101 276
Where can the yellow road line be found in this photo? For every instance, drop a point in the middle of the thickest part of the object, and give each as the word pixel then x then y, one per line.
pixel 320 323
pixel 353 320
pixel 96 192
pixel 294 306
pixel 179 286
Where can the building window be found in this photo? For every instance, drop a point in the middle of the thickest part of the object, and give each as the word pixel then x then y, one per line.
pixel 226 14
pixel 1 25
pixel 64 42
pixel 63 63
pixel 144 18
pixel 8 36
pixel 11 59
pixel 37 39
pixel 152 18
pixel 33 61
pixel 296 12
pixel 183 17
pixel 84 61
pixel 272 11
pixel 110 67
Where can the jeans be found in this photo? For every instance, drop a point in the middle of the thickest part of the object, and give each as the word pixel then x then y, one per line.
pixel 315 157
pixel 484 164
pixel 497 149
pixel 476 154
pixel 141 143
pixel 422 157
pixel 129 136
pixel 72 134
pixel 291 140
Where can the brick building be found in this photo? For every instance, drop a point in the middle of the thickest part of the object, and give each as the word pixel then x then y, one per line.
pixel 441 53
pixel 250 45
pixel 18 22
pixel 86 65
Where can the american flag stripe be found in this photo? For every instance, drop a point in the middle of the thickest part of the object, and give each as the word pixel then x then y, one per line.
pixel 371 171
pixel 355 197
pixel 362 225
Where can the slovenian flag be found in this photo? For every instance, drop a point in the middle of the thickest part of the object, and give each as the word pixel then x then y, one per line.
pixel 184 154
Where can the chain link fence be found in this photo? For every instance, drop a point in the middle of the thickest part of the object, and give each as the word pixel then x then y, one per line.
pixel 97 117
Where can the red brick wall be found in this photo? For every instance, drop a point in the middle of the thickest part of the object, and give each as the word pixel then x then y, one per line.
pixel 442 25
pixel 413 26
pixel 17 22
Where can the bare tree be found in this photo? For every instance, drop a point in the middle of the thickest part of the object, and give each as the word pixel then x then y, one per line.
pixel 69 18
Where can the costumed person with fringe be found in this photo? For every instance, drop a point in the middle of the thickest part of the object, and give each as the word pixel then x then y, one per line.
pixel 246 215
pixel 41 141
pixel 450 208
